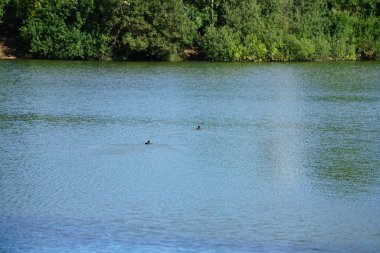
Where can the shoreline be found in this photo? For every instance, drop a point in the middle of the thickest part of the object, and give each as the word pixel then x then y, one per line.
pixel 10 53
pixel 5 56
pixel 5 51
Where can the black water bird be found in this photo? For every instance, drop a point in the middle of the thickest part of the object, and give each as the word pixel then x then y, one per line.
pixel 148 142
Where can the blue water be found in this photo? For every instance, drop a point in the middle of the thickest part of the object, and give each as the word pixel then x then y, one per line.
pixel 287 158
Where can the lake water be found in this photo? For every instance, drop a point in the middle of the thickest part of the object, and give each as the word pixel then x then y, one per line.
pixel 287 158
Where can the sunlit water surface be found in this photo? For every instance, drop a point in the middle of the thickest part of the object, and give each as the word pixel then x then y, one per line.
pixel 287 158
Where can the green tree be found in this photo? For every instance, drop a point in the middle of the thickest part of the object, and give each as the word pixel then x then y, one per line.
pixel 219 44
pixel 3 3
pixel 149 29
pixel 222 30
pixel 57 29
pixel 342 35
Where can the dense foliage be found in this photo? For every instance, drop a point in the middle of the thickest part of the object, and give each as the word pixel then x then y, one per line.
pixel 215 30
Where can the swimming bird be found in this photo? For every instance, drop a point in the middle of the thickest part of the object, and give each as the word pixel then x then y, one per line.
pixel 198 128
pixel 148 142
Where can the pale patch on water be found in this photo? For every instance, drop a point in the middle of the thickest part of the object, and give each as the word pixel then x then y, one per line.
pixel 125 149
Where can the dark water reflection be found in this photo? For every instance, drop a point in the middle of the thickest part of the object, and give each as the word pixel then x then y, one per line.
pixel 347 154
pixel 287 159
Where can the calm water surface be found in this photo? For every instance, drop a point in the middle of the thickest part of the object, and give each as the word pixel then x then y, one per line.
pixel 288 158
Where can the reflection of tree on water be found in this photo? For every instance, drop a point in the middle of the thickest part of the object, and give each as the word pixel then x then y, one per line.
pixel 345 159
pixel 345 143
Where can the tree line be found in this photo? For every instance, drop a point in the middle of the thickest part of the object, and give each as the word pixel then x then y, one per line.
pixel 213 30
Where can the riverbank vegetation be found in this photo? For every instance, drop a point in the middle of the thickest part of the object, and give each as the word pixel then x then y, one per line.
pixel 214 30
